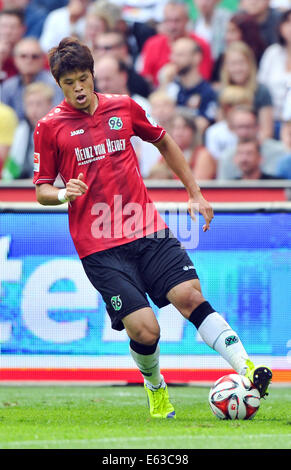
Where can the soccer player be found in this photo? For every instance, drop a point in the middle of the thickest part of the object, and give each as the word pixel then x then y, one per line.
pixel 124 245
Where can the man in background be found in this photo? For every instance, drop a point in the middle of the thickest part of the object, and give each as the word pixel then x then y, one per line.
pixel 248 159
pixel 156 51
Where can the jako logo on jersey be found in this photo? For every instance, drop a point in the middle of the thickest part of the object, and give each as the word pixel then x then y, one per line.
pixel 115 123
pixel 77 132
pixel 116 302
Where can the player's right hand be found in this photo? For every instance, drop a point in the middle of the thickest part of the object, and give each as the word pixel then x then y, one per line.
pixel 76 187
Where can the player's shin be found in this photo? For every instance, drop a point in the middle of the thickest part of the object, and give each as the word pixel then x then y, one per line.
pixel 218 334
pixel 147 360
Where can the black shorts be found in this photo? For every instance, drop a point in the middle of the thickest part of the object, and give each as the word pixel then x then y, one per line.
pixel 125 274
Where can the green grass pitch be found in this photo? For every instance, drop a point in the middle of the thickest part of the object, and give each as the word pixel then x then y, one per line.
pixel 88 417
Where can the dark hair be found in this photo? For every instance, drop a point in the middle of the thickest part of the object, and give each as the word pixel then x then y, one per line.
pixel 250 140
pixel 250 32
pixel 283 19
pixel 14 12
pixel 68 56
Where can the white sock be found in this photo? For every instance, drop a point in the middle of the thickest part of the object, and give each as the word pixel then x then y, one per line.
pixel 149 366
pixel 217 334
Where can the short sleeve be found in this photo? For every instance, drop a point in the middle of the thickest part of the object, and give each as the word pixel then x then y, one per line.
pixel 143 124
pixel 45 167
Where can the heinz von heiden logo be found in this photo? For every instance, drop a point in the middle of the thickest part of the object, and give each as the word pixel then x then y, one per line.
pixel 133 220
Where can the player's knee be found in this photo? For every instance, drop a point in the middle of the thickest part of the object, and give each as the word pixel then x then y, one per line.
pixel 188 299
pixel 147 335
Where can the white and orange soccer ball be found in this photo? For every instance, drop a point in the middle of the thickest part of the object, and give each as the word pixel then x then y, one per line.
pixel 233 396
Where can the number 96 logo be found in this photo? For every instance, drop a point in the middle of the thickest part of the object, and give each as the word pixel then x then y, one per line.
pixel 115 123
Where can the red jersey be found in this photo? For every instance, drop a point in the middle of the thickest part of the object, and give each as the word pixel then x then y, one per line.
pixel 116 209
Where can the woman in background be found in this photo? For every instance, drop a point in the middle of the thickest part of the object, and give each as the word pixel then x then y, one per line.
pixel 240 69
pixel 241 27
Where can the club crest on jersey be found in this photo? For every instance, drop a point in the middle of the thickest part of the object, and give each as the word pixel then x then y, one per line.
pixel 115 123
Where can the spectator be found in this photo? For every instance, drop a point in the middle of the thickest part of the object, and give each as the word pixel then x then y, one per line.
pixel 8 124
pixel 219 136
pixel 162 111
pixel 63 22
pixel 266 17
pixel 12 26
pixel 135 33
pixel 241 27
pixel 29 60
pixel 211 24
pixel 156 51
pixel 239 68
pixel 111 76
pixel 33 12
pixel 185 133
pixel 183 81
pixel 243 122
pixel 38 100
pixel 12 29
pixel 97 21
pixel 274 70
pixel 114 43
pixel 248 159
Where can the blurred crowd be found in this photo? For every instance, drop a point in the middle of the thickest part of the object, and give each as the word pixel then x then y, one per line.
pixel 215 74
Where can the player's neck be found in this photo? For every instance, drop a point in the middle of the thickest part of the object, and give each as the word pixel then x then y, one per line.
pixel 93 105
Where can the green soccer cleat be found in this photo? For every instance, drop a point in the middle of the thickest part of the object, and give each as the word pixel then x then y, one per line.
pixel 159 403
pixel 260 376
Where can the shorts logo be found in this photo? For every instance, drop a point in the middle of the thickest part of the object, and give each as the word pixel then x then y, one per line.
pixel 36 158
pixel 116 302
pixel 115 123
pixel 186 268
pixel 231 340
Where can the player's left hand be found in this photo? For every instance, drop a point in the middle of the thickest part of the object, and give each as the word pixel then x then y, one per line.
pixel 199 204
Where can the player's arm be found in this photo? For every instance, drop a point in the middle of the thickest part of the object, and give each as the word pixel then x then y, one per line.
pixel 49 195
pixel 176 161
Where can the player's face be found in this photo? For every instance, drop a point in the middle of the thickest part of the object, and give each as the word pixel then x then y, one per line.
pixel 78 88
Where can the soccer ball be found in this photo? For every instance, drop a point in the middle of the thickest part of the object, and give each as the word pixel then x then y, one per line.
pixel 233 396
